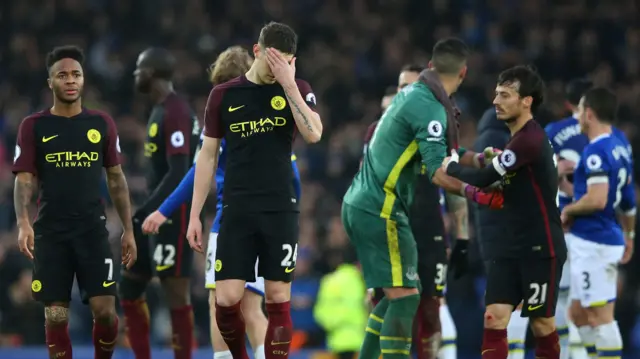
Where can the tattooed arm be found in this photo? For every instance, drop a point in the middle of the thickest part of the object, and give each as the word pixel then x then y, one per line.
pixel 458 207
pixel 119 192
pixel 22 194
pixel 307 120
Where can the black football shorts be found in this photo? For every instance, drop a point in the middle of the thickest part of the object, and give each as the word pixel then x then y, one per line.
pixel 533 281
pixel 432 257
pixel 85 255
pixel 166 254
pixel 246 236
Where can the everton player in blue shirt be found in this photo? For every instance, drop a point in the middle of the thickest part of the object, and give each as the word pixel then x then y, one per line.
pixel 568 142
pixel 602 187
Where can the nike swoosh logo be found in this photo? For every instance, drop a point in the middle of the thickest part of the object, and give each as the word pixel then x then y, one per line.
pixel 289 270
pixel 161 268
pixel 47 139
pixel 279 343
pixel 534 307
pixel 439 287
pixel 108 284
pixel 231 108
pixel 107 343
pixel 487 350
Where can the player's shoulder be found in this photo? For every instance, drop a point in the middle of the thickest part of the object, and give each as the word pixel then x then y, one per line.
pixel 236 82
pixel 99 114
pixel 31 119
pixel 176 100
pixel 557 126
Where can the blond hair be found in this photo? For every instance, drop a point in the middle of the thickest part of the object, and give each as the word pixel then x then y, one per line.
pixel 231 63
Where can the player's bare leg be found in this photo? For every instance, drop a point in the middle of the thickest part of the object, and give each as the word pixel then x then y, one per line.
pixel 255 321
pixel 132 290
pixel 56 317
pixel 448 348
pixel 105 325
pixel 601 328
pixel 547 340
pixel 494 340
pixel 279 328
pixel 178 295
pixel 396 329
pixel 229 293
pixel 428 327
pixel 516 333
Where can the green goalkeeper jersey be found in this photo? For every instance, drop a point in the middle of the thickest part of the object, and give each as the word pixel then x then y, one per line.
pixel 412 130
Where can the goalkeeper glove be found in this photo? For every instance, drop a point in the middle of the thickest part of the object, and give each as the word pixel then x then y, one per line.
pixel 493 199
pixel 459 261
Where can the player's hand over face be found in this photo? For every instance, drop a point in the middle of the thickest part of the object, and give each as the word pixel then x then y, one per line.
pixel 129 249
pixel 283 71
pixel 152 223
pixel 194 234
pixel 25 240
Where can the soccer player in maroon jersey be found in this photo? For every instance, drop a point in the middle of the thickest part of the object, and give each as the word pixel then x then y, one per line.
pixel 62 151
pixel 172 140
pixel 529 263
pixel 258 115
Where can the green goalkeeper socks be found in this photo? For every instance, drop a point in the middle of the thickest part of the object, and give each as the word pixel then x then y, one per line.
pixel 371 345
pixel 395 335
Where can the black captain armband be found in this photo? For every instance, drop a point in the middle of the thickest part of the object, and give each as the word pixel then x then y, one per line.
pixel 479 177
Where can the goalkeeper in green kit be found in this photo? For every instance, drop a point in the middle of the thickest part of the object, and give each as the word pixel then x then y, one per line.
pixel 419 127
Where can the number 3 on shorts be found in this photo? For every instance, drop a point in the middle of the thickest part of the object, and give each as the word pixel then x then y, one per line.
pixel 290 255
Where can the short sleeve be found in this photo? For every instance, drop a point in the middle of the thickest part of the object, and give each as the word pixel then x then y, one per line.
pixel 596 165
pixel 523 149
pixel 24 157
pixel 307 93
pixel 212 121
pixel 177 124
pixel 111 144
pixel 429 124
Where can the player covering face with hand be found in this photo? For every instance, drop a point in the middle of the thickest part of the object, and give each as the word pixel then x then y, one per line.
pixel 257 114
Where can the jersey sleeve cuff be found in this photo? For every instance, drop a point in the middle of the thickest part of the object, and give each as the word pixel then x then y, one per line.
pixel 597 179
pixel 498 166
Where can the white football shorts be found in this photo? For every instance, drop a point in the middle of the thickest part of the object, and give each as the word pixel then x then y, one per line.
pixel 210 271
pixel 594 271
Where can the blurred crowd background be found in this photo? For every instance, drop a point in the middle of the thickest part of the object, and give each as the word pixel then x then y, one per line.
pixel 350 52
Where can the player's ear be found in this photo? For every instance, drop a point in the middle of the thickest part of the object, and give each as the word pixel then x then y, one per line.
pixel 463 72
pixel 49 83
pixel 430 65
pixel 527 101
pixel 256 51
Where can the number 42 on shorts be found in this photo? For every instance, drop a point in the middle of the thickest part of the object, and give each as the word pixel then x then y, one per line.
pixel 290 256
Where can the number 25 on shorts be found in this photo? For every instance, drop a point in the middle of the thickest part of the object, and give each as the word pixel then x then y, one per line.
pixel 290 256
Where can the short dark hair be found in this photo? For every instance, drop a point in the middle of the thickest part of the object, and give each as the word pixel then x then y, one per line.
pixel 279 36
pixel 449 55
pixel 603 102
pixel 412 68
pixel 64 52
pixel 529 83
pixel 576 88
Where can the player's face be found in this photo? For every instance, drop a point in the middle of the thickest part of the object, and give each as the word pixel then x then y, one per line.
pixel 406 78
pixel 583 116
pixel 386 101
pixel 262 67
pixel 66 80
pixel 508 103
pixel 143 74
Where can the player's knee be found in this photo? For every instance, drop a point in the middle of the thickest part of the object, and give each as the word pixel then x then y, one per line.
pixel 597 316
pixel 229 292
pixel 131 288
pixel 541 327
pixel 497 316
pixel 277 292
pixel 56 314
pixel 176 291
pixel 104 314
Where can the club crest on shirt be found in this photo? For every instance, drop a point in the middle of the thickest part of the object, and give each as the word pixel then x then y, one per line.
pixel 93 136
pixel 278 103
pixel 153 130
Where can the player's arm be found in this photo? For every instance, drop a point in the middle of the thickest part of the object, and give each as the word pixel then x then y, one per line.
pixel 177 135
pixel 297 185
pixel 116 181
pixel 457 206
pixel 207 161
pixel 595 199
pixel 180 195
pixel 521 151
pixel 25 169
pixel 303 102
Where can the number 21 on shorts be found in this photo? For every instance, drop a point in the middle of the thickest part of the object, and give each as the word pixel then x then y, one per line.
pixel 290 256
pixel 538 296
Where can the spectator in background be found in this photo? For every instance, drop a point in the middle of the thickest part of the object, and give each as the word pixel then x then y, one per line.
pixel 340 307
